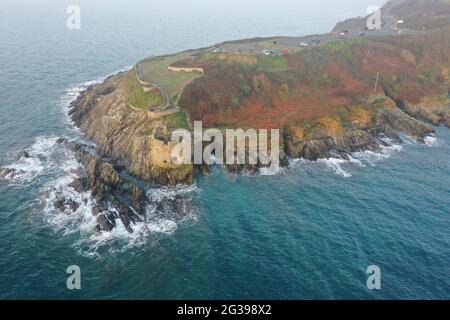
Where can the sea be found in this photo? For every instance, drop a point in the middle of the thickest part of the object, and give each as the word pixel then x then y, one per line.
pixel 309 232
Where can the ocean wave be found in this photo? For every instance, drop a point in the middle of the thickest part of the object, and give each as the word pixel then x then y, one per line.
pixel 372 157
pixel 342 167
pixel 271 171
pixel 32 161
pixel 157 221
pixel 335 165
pixel 169 206
pixel 159 218
pixel 432 141
pixel 46 158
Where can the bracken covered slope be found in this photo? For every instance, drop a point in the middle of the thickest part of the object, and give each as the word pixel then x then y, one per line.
pixel 328 100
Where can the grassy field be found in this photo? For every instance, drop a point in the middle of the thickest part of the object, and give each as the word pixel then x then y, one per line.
pixel 272 64
pixel 155 70
pixel 139 98
pixel 176 120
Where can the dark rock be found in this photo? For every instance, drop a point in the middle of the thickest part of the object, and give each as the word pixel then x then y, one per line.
pixel 160 135
pixel 62 204
pixel 72 205
pixel 204 169
pixel 178 205
pixel 59 205
pixel 23 154
pixel 4 172
pixel 61 140
pixel 81 184
pixel 106 90
pixel 385 124
pixel 107 188
pixel 96 210
pixel 10 173
pixel 104 223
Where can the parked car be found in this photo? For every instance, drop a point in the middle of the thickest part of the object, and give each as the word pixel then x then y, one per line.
pixel 343 34
pixel 285 51
pixel 275 52
pixel 362 34
pixel 315 42
pixel 303 44
pixel 218 50
pixel 267 52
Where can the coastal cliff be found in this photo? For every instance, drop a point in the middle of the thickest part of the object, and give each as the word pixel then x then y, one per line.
pixel 126 134
pixel 328 100
pixel 331 100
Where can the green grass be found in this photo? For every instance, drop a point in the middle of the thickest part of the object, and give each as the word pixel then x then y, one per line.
pixel 139 98
pixel 176 120
pixel 272 64
pixel 343 44
pixel 155 70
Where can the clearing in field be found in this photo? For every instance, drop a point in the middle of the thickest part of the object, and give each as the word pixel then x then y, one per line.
pixel 155 70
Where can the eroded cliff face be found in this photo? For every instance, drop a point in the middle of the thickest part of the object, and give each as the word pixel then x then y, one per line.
pixel 328 101
pixel 334 99
pixel 355 129
pixel 126 134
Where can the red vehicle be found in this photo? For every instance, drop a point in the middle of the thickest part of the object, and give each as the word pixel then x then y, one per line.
pixel 285 51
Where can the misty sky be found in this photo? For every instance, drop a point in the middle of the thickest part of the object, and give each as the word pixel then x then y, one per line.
pixel 285 15
pixel 136 28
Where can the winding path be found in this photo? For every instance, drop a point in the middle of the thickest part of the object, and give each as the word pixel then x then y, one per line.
pixel 166 103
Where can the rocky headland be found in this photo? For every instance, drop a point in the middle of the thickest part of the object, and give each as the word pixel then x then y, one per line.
pixel 328 100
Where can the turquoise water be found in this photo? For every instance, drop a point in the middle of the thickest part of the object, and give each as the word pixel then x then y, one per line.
pixel 309 232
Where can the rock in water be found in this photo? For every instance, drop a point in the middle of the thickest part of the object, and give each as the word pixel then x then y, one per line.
pixel 115 197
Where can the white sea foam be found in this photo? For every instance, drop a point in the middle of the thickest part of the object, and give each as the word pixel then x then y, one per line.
pixel 335 165
pixel 431 141
pixel 372 157
pixel 81 222
pixel 25 169
pixel 59 166
pixel 342 167
pixel 270 171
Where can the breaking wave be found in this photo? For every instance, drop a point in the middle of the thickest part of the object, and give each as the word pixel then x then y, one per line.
pixel 342 167
pixel 432 141
pixel 168 207
pixel 53 168
pixel 32 162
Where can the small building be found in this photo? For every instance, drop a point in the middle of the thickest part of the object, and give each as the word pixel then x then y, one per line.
pixel 186 69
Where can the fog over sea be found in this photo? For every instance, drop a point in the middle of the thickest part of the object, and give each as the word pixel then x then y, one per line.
pixel 309 232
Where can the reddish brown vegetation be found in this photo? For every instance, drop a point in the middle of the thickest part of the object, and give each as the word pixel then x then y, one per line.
pixel 317 82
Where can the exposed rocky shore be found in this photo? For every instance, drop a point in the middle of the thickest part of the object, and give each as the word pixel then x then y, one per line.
pixel 115 197
pixel 131 139
pixel 381 130
pixel 128 136
pixel 322 99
